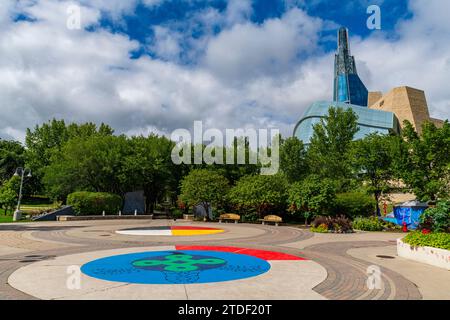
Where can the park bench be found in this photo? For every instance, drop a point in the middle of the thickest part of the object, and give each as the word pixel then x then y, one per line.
pixel 229 216
pixel 271 218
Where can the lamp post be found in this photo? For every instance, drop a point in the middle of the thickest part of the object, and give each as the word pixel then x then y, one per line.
pixel 20 172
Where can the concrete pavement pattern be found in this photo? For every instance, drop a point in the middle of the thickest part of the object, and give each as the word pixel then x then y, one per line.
pixel 171 272
pixel 93 260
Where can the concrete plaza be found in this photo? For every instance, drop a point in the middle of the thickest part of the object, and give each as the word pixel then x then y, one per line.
pixel 34 261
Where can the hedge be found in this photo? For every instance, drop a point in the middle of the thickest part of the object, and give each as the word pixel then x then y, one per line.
pixel 354 204
pixel 435 240
pixel 94 203
pixel 368 224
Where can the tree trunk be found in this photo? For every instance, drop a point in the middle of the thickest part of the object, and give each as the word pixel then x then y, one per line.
pixel 378 213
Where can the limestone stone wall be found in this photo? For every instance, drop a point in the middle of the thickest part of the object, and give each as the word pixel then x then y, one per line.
pixel 374 97
pixel 407 104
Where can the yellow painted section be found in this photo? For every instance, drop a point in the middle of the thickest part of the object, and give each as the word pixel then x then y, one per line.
pixel 194 232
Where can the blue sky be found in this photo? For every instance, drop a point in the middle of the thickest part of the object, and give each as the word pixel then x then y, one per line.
pixel 180 15
pixel 158 65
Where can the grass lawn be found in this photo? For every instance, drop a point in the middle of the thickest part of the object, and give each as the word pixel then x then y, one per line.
pixel 5 219
pixel 9 219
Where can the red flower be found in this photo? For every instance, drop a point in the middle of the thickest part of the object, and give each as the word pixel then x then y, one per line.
pixel 426 231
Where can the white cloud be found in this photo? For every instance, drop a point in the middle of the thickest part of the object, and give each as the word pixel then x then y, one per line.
pixel 248 50
pixel 248 76
pixel 419 58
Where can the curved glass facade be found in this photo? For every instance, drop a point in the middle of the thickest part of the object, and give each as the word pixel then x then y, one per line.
pixel 369 120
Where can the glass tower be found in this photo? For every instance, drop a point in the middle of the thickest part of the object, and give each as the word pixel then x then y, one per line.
pixel 349 93
pixel 348 87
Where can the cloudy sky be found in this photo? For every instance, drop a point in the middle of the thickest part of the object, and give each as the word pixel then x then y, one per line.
pixel 156 65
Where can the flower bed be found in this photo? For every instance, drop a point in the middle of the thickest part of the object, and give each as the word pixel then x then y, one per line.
pixel 429 248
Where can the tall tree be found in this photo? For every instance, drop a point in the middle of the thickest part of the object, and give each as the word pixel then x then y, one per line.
pixel 149 166
pixel 293 159
pixel 11 157
pixel 424 164
pixel 329 151
pixel 92 164
pixel 49 138
pixel 373 159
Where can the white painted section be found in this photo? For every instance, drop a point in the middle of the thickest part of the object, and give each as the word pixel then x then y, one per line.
pixel 145 232
pixel 432 256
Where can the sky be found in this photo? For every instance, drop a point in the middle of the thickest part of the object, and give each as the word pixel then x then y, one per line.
pixel 153 66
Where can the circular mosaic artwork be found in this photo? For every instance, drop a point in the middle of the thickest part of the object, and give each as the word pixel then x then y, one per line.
pixel 170 231
pixel 176 267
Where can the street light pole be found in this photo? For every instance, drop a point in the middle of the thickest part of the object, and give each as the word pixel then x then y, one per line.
pixel 20 172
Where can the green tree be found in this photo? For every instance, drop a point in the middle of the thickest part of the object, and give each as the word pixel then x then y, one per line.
pixel 149 166
pixel 87 164
pixel 12 156
pixel 9 194
pixel 204 187
pixel 438 218
pixel 262 194
pixel 424 161
pixel 293 159
pixel 44 141
pixel 329 151
pixel 235 171
pixel 373 159
pixel 311 197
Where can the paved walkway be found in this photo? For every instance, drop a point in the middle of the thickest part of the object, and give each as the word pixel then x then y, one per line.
pixel 34 259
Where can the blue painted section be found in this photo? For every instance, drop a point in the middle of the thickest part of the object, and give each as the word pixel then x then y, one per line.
pixel 176 267
pixel 410 215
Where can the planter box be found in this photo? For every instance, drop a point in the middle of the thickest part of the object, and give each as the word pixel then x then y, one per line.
pixel 432 256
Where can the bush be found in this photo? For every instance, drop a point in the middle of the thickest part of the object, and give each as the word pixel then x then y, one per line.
pixel 94 203
pixel 368 224
pixel 323 228
pixel 435 240
pixel 259 194
pixel 354 204
pixel 437 219
pixel 312 196
pixel 339 224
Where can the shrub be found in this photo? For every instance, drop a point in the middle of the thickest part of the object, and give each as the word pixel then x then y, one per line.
pixel 339 224
pixel 94 203
pixel 435 240
pixel 323 228
pixel 311 197
pixel 354 204
pixel 203 187
pixel 368 224
pixel 260 194
pixel 437 219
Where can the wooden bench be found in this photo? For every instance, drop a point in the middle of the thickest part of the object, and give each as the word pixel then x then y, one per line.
pixel 229 216
pixel 271 218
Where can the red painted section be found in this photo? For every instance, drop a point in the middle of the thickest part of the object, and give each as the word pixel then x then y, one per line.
pixel 262 254
pixel 192 228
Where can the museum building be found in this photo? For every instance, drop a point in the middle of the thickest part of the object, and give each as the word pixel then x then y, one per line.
pixel 377 113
